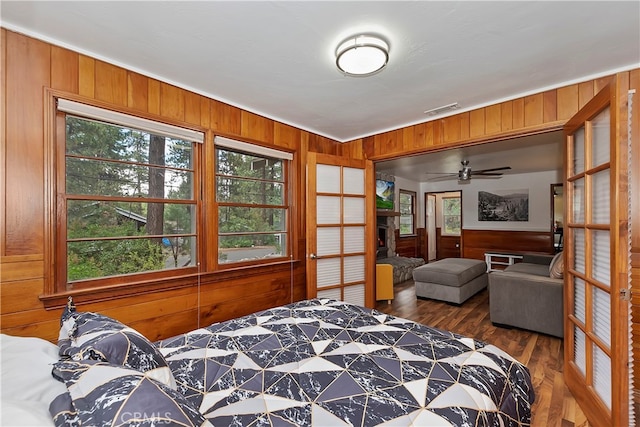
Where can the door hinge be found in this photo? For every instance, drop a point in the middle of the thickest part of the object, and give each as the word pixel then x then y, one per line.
pixel 625 294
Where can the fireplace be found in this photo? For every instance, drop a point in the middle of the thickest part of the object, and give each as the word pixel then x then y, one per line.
pixel 383 248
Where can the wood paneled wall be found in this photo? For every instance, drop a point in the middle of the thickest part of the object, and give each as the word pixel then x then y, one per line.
pixel 29 68
pixel 528 115
pixel 476 242
pixel 406 246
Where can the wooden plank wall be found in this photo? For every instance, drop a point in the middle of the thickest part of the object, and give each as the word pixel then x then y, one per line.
pixel 477 242
pixel 407 246
pixel 29 67
pixel 527 115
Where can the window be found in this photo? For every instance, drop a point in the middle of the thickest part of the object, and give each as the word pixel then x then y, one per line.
pixel 126 197
pixel 451 219
pixel 407 212
pixel 252 202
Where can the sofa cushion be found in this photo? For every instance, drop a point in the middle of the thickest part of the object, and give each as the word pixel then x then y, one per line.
pixel 556 268
pixel 528 268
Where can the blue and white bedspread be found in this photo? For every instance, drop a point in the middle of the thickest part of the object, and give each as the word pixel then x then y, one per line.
pixel 327 363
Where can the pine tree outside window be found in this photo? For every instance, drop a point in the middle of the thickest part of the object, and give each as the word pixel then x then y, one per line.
pixel 451 213
pixel 252 202
pixel 126 197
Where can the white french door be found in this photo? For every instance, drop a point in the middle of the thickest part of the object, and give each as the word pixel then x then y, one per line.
pixel 596 326
pixel 340 222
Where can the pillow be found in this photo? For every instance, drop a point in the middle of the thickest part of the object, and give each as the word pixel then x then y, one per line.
pixel 93 336
pixel 556 268
pixel 103 394
pixel 26 382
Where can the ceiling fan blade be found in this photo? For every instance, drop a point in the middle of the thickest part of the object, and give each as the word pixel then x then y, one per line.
pixel 504 168
pixel 442 177
pixel 486 174
pixel 440 173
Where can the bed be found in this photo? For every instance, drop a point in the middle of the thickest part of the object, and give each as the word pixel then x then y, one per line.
pixel 316 362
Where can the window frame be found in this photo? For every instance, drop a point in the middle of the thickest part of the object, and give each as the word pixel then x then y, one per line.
pixel 257 150
pixel 444 217
pixel 57 286
pixel 413 196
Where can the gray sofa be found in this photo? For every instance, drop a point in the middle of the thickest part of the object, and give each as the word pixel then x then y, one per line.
pixel 525 296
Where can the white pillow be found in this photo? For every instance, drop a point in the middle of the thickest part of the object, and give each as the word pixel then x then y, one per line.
pixel 27 385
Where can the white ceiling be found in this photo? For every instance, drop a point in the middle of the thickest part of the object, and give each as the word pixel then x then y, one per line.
pixel 277 58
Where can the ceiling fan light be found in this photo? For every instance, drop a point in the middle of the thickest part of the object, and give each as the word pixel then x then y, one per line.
pixel 362 55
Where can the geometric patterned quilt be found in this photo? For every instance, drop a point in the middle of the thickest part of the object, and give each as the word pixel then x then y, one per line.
pixel 322 362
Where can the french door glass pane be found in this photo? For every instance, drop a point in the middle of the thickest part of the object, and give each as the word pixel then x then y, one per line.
pixel 601 309
pixel 601 256
pixel 580 347
pixel 328 179
pixel 328 210
pixel 579 300
pixel 578 250
pixel 353 181
pixel 578 201
pixel 601 138
pixel 600 204
pixel 578 151
pixel 602 374
pixel 328 272
pixel 353 240
pixel 353 210
pixel 328 241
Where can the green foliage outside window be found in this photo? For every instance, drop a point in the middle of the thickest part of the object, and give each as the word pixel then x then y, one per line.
pixel 252 213
pixel 451 212
pixel 129 201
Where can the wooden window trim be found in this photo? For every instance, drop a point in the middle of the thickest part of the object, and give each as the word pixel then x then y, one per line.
pixel 413 196
pixel 54 296
pixel 286 206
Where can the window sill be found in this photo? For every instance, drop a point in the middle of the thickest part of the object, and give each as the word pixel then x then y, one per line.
pixel 135 288
pixel 121 290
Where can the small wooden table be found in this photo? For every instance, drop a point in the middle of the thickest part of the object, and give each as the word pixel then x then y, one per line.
pixel 499 259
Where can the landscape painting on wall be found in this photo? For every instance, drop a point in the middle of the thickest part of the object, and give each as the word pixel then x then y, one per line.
pixel 503 205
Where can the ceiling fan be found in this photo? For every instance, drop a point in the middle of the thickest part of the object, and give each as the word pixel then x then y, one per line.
pixel 466 172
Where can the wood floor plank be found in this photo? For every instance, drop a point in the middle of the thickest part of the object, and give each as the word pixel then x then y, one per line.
pixel 542 354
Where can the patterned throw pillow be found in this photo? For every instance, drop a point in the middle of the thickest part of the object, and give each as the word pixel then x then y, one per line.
pixel 93 336
pixel 101 394
pixel 556 268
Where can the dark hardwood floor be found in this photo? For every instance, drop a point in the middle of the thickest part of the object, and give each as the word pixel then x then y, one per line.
pixel 542 354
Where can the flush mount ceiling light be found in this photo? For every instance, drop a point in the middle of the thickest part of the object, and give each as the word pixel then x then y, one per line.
pixel 362 55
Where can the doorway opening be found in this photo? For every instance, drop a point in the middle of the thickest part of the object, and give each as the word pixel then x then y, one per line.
pixel 443 220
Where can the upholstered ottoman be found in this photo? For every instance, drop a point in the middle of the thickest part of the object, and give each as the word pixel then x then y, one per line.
pixel 451 279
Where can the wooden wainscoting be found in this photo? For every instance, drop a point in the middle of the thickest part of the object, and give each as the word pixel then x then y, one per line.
pixel 407 246
pixel 477 242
